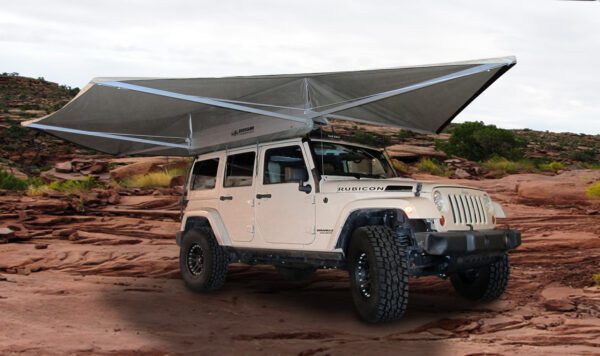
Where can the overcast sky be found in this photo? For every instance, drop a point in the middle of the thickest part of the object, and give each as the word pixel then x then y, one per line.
pixel 555 85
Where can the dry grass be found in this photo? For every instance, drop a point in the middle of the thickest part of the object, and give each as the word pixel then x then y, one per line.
pixel 152 180
pixel 37 191
pixel 400 166
pixel 430 166
pixel 552 167
pixel 593 191
pixel 69 186
pixel 502 166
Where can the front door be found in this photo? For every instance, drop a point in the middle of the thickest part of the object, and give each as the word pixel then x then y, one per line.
pixel 236 202
pixel 284 214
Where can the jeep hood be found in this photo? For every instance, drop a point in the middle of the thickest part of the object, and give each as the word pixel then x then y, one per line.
pixel 338 184
pixel 186 117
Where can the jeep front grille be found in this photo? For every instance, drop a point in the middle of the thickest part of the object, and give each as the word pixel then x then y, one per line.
pixel 467 209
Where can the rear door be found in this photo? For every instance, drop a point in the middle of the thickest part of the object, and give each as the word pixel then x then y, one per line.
pixel 236 201
pixel 284 214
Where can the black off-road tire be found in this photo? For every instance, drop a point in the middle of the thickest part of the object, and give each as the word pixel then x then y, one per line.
pixel 296 274
pixel 484 284
pixel 381 294
pixel 208 272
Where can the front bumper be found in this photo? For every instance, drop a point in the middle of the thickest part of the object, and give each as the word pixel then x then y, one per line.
pixel 467 242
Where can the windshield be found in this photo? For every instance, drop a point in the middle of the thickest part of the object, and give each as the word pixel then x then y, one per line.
pixel 338 159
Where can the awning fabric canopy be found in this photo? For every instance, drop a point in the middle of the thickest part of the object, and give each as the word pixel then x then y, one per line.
pixel 184 117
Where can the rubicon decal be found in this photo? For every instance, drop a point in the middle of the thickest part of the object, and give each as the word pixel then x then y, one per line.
pixel 360 189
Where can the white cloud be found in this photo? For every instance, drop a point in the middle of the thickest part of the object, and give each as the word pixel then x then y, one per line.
pixel 554 86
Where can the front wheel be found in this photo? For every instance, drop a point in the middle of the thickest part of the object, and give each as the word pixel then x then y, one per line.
pixel 202 262
pixel 485 283
pixel 378 274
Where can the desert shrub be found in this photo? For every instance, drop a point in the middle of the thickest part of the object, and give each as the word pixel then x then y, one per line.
pixel 29 107
pixel 477 141
pixel 400 166
pixel 502 166
pixel 589 166
pixel 596 278
pixel 431 166
pixel 10 182
pixel 404 134
pixel 71 91
pixel 36 191
pixel 15 131
pixel 593 191
pixel 152 180
pixel 551 167
pixel 26 115
pixel 365 138
pixel 587 156
pixel 72 186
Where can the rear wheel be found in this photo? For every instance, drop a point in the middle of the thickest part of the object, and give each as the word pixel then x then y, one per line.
pixel 378 274
pixel 202 262
pixel 485 283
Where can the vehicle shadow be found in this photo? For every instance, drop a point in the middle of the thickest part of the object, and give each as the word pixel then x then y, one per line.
pixel 258 311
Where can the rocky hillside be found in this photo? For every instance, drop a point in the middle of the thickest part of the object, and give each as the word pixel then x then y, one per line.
pixel 569 148
pixel 24 98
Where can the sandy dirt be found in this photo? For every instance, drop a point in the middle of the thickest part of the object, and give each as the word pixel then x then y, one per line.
pixel 107 282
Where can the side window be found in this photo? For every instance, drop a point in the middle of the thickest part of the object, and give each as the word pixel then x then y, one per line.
pixel 205 174
pixel 284 165
pixel 239 170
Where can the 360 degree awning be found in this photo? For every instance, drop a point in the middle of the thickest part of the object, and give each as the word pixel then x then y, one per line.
pixel 184 117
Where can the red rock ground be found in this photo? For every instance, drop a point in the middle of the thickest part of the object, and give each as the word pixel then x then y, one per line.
pixel 108 283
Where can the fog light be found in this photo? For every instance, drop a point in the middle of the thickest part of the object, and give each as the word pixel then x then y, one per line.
pixel 442 220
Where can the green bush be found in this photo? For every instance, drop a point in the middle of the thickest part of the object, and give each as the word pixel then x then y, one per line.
pixel 479 142
pixel 369 139
pixel 10 182
pixel 72 186
pixel 153 179
pixel 593 191
pixel 400 166
pixel 503 166
pixel 427 165
pixel 596 278
pixel 551 167
pixel 15 131
pixel 587 156
pixel 404 134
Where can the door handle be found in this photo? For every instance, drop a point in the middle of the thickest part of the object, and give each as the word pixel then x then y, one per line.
pixel 262 196
pixel 226 197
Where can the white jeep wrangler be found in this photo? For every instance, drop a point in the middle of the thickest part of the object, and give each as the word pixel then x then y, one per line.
pixel 302 204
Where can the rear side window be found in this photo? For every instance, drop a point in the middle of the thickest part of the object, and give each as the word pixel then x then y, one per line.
pixel 284 165
pixel 205 174
pixel 240 169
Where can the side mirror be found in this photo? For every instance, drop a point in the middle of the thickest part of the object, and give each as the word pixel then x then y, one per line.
pixel 304 188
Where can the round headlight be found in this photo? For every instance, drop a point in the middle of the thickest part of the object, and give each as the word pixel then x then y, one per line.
pixel 438 200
